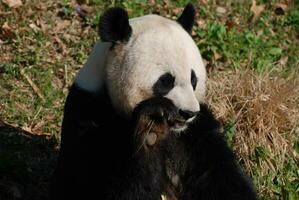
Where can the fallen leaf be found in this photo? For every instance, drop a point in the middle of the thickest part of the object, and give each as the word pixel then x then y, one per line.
pixel 42 6
pixel 26 128
pixel 61 25
pixel 37 128
pixel 87 9
pixel 6 31
pixel 283 60
pixel 22 108
pixel 152 2
pixel 205 2
pixel 166 2
pixel 280 9
pixel 230 24
pixel 62 46
pixel 34 27
pixel 176 11
pixel 257 10
pixel 43 26
pixel 13 3
pixel 29 12
pixel 210 67
pixel 260 32
pixel 57 83
pixel 6 27
pixel 271 31
pixel 4 13
pixel 220 10
pixel 217 56
pixel 201 23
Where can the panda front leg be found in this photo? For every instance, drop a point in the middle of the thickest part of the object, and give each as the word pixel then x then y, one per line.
pixel 151 118
pixel 147 175
pixel 212 172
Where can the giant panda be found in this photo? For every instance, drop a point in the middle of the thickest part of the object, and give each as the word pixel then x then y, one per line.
pixel 136 126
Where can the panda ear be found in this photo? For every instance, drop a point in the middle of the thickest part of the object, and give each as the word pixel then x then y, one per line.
pixel 114 25
pixel 187 17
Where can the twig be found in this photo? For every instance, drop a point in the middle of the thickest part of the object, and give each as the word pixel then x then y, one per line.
pixel 33 85
pixel 149 128
pixel 65 76
pixel 35 116
pixel 5 13
pixel 61 45
pixel 163 197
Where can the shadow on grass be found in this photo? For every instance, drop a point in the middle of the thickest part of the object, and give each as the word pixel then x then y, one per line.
pixel 26 164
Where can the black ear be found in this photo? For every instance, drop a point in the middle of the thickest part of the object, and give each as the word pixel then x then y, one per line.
pixel 114 25
pixel 187 17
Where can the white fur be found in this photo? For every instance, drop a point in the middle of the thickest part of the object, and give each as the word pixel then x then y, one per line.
pixel 92 76
pixel 157 45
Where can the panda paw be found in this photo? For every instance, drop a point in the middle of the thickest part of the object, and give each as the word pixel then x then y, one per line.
pixel 151 120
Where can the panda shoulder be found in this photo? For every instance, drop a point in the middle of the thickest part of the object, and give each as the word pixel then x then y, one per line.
pixel 91 76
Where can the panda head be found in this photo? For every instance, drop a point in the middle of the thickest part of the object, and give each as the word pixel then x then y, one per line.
pixel 149 56
pixel 152 56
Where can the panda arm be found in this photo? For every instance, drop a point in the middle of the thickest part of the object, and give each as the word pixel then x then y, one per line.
pixel 146 177
pixel 98 146
pixel 142 179
pixel 213 172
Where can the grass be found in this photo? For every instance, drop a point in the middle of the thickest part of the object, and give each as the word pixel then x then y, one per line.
pixel 263 127
pixel 253 80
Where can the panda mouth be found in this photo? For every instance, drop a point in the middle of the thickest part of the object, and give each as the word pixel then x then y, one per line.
pixel 177 125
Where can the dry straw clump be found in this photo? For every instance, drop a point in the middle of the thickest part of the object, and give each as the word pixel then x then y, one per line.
pixel 265 110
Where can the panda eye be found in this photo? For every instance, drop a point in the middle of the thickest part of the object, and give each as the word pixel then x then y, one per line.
pixel 166 80
pixel 193 79
pixel 164 84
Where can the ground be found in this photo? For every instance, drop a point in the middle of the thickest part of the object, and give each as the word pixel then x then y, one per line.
pixel 251 49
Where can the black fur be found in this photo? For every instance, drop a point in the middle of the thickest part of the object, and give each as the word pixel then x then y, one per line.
pixel 193 79
pixel 212 171
pixel 157 108
pixel 163 85
pixel 187 114
pixel 187 17
pixel 99 158
pixel 114 25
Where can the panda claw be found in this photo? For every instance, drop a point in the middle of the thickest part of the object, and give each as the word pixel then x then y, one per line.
pixel 151 139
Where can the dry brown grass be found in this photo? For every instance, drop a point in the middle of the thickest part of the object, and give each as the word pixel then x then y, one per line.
pixel 265 110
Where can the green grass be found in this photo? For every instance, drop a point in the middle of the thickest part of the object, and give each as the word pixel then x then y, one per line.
pixel 257 46
pixel 227 41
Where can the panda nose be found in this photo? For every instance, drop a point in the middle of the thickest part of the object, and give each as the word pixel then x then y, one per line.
pixel 186 114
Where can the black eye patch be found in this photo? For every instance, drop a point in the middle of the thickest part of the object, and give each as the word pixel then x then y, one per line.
pixel 163 85
pixel 193 79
